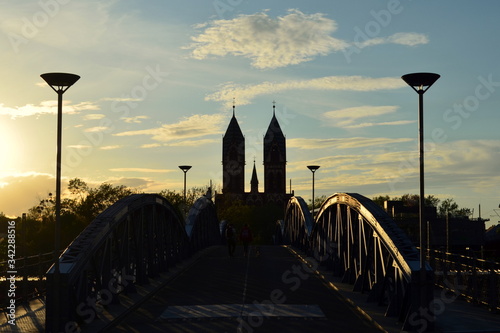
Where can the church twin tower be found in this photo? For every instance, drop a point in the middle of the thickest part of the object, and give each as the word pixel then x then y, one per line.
pixel 233 166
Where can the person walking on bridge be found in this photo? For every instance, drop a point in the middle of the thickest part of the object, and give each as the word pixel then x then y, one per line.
pixel 230 239
pixel 246 238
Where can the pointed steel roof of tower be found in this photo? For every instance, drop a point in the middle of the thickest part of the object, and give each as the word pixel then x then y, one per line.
pixel 254 182
pixel 233 131
pixel 274 133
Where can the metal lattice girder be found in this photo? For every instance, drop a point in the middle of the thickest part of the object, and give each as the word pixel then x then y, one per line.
pixel 133 240
pixel 202 224
pixel 364 246
pixel 298 223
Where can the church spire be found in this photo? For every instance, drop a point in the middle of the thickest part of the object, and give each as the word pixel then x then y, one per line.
pixel 254 182
pixel 274 157
pixel 233 158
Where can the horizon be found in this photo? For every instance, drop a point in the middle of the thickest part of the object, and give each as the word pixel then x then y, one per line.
pixel 158 81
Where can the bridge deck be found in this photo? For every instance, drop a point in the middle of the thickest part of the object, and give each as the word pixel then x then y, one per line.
pixel 272 292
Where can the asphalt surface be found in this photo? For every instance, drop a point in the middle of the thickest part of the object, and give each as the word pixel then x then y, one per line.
pixel 273 292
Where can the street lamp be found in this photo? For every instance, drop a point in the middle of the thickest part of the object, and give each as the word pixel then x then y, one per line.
pixel 313 169
pixel 185 169
pixel 59 82
pixel 421 82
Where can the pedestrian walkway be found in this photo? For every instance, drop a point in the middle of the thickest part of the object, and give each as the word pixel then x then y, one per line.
pixel 273 292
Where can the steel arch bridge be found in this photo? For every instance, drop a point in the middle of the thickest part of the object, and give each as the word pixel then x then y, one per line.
pixel 135 239
pixel 359 242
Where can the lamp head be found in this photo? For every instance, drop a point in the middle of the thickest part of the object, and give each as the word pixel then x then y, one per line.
pixel 420 82
pixel 313 168
pixel 185 168
pixel 60 82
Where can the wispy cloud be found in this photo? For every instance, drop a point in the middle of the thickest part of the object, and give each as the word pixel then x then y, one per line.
pixel 110 147
pixel 93 116
pixel 97 129
pixel 350 117
pixel 191 127
pixel 384 123
pixel 142 170
pixel 134 120
pixel 45 107
pixel 245 93
pixel 401 38
pixel 342 143
pixel 281 41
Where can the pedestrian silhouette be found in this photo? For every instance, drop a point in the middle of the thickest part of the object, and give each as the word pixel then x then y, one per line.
pixel 245 238
pixel 230 239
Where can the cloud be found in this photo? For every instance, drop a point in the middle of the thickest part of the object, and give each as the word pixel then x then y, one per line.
pixel 342 143
pixel 151 145
pixel 385 123
pixel 245 93
pixel 190 127
pixel 110 147
pixel 79 146
pixel 349 117
pixel 22 191
pixel 401 38
pixel 93 116
pixel 281 41
pixel 134 120
pixel 143 170
pixel 97 129
pixel 45 107
pixel 269 42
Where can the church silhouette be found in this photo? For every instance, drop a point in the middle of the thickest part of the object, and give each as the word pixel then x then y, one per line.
pixel 233 168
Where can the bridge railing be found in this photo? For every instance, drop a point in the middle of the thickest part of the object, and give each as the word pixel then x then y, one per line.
pixel 30 278
pixel 135 239
pixel 474 279
pixel 363 246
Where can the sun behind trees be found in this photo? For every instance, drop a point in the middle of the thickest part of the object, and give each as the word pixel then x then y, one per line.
pixel 78 210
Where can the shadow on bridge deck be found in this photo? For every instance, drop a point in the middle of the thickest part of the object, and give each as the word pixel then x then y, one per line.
pixel 273 292
pixel 270 293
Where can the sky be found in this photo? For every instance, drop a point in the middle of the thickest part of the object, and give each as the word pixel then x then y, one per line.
pixel 159 77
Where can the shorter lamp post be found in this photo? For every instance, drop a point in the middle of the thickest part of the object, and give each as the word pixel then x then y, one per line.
pixel 185 169
pixel 313 169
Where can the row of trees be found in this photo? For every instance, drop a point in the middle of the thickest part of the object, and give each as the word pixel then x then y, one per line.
pixel 35 233
pixel 446 206
pixel 443 207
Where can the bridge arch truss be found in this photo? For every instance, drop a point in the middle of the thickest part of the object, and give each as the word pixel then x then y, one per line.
pixel 135 239
pixel 359 242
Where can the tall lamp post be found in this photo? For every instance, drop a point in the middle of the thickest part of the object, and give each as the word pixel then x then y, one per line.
pixel 59 82
pixel 421 82
pixel 313 169
pixel 185 169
